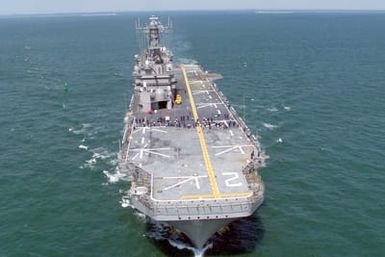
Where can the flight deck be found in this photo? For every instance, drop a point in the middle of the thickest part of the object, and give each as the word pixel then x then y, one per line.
pixel 204 145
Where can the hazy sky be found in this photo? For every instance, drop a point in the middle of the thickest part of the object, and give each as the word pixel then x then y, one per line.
pixel 60 6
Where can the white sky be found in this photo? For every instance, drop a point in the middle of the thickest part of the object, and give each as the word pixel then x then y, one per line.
pixel 62 6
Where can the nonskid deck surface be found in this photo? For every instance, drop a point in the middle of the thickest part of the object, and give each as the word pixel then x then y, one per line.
pixel 188 160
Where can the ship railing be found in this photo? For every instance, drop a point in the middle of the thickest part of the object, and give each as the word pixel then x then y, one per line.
pixel 253 178
pixel 221 210
pixel 200 207
pixel 238 119
pixel 128 130
pixel 186 211
pixel 130 106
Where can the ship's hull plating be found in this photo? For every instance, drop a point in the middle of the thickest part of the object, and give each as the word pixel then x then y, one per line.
pixel 199 231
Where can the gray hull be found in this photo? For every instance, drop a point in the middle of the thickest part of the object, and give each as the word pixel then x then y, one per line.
pixel 199 231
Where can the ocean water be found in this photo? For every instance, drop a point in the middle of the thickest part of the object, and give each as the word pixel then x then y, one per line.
pixel 312 86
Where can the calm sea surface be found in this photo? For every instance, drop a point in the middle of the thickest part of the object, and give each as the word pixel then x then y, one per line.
pixel 312 86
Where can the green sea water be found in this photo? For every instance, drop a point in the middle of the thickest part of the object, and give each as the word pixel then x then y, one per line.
pixel 312 86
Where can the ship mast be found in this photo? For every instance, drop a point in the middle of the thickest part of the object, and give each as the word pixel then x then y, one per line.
pixel 153 71
pixel 153 31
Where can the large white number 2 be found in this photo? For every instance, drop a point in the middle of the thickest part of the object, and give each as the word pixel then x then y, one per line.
pixel 235 176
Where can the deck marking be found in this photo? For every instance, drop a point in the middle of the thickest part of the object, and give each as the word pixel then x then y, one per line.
pixel 150 151
pixel 142 140
pixel 203 105
pixel 152 129
pixel 187 179
pixel 135 156
pixel 200 92
pixel 231 148
pixel 160 154
pixel 227 150
pixel 210 171
pixel 235 176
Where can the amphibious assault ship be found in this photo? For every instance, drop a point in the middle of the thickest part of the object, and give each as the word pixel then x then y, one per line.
pixel 192 159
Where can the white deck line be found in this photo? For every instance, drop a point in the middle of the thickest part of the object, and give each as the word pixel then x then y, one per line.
pixel 195 200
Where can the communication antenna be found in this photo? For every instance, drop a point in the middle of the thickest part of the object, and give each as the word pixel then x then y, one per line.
pixel 149 35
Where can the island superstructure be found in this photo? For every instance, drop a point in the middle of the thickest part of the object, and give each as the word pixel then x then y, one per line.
pixel 192 159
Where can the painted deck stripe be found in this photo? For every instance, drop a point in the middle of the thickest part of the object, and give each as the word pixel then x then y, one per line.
pixel 206 157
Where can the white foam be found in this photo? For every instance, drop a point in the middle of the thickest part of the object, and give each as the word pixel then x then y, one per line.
pixel 287 108
pixel 102 153
pixel 273 109
pixel 161 232
pixel 125 202
pixel 270 126
pixel 197 252
pixel 111 177
pixel 89 163
pixel 83 147
pixel 85 129
pixel 95 157
pixel 116 175
pixel 99 154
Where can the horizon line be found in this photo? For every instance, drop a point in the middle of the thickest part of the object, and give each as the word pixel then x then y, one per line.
pixel 194 10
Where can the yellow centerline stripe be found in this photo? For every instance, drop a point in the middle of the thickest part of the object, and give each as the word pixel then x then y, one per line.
pixel 206 157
